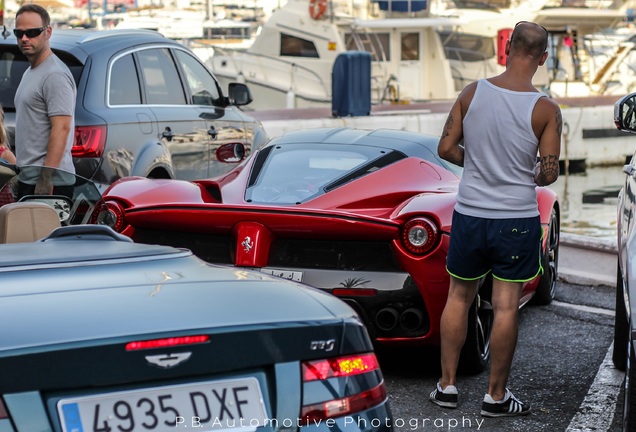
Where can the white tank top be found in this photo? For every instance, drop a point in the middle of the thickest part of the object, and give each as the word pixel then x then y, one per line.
pixel 500 154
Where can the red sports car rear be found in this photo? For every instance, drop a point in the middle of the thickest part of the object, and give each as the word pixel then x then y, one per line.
pixel 364 215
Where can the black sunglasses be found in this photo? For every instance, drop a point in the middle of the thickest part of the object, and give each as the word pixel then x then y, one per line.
pixel 544 29
pixel 30 33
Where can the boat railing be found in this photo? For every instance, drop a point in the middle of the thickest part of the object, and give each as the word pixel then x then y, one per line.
pixel 367 41
pixel 294 70
pixel 589 4
pixel 482 65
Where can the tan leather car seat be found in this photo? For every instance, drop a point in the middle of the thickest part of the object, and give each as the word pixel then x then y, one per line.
pixel 22 222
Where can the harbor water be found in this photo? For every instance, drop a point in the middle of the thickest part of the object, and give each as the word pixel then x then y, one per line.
pixel 588 201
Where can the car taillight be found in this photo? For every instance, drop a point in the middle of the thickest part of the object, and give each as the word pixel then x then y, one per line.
pixel 167 342
pixel 354 292
pixel 420 235
pixel 110 214
pixel 342 367
pixel 345 406
pixel 339 367
pixel 89 141
pixel 3 410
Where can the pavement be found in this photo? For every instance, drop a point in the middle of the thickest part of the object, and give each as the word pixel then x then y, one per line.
pixel 587 261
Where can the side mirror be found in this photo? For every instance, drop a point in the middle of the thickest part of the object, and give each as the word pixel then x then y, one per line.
pixel 625 113
pixel 239 94
pixel 230 153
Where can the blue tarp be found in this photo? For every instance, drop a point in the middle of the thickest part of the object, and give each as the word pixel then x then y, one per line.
pixel 351 84
pixel 402 5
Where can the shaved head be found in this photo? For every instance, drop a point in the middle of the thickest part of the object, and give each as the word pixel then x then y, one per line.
pixel 529 38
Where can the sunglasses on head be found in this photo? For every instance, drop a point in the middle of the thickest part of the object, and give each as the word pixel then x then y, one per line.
pixel 544 29
pixel 30 33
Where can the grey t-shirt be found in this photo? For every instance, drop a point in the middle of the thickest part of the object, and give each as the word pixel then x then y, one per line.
pixel 44 91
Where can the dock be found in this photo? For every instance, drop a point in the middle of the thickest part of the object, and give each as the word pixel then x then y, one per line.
pixel 587 261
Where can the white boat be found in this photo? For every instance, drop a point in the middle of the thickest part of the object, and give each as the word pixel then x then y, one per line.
pixel 291 61
pixel 224 33
pixel 174 23
pixel 416 56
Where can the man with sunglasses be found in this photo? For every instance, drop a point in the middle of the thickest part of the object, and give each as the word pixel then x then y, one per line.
pixel 45 107
pixel 495 130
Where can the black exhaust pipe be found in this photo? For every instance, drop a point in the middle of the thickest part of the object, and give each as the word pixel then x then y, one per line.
pixel 386 319
pixel 411 319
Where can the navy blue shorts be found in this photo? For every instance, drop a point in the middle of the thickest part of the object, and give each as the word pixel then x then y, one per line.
pixel 510 248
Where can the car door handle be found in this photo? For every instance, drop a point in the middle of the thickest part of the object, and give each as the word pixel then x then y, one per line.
pixel 167 134
pixel 213 133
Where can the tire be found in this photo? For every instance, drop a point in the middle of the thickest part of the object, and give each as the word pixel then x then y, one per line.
pixel 629 403
pixel 546 288
pixel 476 351
pixel 621 326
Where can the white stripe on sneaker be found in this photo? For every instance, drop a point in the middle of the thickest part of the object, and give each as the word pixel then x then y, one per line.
pixel 515 406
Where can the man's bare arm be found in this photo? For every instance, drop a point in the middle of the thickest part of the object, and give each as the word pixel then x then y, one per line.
pixel 547 169
pixel 449 147
pixel 60 130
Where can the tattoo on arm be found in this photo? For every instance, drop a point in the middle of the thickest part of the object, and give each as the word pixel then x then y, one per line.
pixel 548 171
pixel 458 156
pixel 559 123
pixel 447 126
pixel 455 154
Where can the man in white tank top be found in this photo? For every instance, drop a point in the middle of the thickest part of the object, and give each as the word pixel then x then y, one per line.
pixel 495 130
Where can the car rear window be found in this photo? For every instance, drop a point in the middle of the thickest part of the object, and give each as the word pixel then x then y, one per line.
pixel 13 64
pixel 296 172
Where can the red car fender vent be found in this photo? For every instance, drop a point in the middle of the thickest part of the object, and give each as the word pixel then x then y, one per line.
pixel 89 142
pixel 312 414
pixel 111 214
pixel 420 235
pixel 167 342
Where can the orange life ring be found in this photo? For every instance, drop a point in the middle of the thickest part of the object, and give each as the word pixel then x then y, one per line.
pixel 317 8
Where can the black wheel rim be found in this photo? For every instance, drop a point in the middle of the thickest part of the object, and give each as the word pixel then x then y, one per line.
pixel 552 251
pixel 484 327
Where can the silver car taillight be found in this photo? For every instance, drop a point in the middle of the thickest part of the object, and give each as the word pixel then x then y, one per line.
pixel 420 235
pixel 110 214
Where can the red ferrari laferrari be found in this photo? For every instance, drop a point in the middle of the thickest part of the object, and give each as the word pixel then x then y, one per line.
pixel 364 215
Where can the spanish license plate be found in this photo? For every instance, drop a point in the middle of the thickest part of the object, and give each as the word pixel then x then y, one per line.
pixel 235 405
pixel 285 274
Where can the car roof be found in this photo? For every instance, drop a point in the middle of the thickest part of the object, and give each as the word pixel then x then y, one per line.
pixel 85 42
pixel 77 247
pixel 405 141
pixel 410 144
